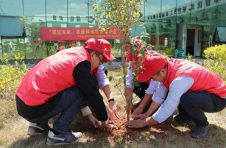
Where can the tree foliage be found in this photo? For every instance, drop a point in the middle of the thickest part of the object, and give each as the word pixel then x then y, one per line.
pixel 120 14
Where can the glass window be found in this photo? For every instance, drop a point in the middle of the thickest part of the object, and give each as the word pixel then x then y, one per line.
pixel 58 8
pixel 199 5
pixel 220 34
pixel 179 10
pixel 80 9
pixel 168 4
pixel 11 7
pixel 54 17
pixel 192 7
pixel 78 18
pixel 152 7
pixel 34 8
pixel 184 9
pixel 207 2
pixel 72 18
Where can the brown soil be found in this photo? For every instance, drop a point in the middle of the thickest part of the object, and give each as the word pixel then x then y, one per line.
pixel 121 131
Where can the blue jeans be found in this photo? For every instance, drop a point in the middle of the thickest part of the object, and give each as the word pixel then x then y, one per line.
pixel 69 103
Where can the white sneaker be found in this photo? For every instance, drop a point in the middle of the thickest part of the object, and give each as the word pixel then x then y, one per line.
pixel 64 138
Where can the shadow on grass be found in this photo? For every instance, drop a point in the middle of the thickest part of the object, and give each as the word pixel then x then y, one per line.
pixel 168 134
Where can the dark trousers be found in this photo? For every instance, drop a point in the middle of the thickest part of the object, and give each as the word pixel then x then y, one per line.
pixel 194 104
pixel 140 92
pixel 67 104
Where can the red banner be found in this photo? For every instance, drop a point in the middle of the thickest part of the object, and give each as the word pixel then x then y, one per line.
pixel 81 33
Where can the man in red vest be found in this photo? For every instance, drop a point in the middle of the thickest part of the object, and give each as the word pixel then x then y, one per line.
pixel 191 87
pixel 62 84
pixel 143 90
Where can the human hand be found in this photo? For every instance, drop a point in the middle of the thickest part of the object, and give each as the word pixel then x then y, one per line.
pixel 139 116
pixel 138 123
pixel 137 111
pixel 96 123
pixel 113 110
pixel 106 126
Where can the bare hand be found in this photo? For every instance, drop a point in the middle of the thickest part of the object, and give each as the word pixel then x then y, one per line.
pixel 137 111
pixel 113 110
pixel 140 116
pixel 139 123
pixel 107 126
pixel 96 123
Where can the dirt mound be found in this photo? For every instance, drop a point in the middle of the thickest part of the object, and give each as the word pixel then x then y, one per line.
pixel 121 131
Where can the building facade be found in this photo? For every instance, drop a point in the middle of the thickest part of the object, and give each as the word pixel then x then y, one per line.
pixel 192 25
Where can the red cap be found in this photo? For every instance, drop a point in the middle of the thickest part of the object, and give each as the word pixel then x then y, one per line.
pixel 152 63
pixel 102 46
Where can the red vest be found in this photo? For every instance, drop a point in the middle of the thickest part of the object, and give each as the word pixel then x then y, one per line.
pixel 50 76
pixel 204 80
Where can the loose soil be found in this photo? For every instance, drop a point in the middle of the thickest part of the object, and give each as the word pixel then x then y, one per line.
pixel 121 131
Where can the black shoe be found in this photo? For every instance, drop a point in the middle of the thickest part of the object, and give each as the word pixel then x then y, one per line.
pixel 181 118
pixel 200 132
pixel 35 129
pixel 60 139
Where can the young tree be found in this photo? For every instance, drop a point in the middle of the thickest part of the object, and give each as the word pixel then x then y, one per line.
pixel 120 14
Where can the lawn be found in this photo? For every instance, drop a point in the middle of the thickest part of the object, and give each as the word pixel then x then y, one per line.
pixel 13 129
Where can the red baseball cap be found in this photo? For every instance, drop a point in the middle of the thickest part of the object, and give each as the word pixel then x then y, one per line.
pixel 102 46
pixel 152 63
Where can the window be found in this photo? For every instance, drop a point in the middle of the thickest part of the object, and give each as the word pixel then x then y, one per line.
pixel 207 2
pixel 61 17
pixel 78 18
pixel 184 9
pixel 160 15
pixel 192 7
pixel 220 35
pixel 175 11
pixel 54 17
pixel 171 12
pixel 72 18
pixel 179 10
pixel 199 5
pixel 167 13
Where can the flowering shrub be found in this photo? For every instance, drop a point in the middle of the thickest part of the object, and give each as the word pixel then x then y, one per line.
pixel 10 76
pixel 216 60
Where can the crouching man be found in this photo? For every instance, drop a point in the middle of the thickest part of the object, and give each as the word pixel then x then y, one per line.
pixel 61 85
pixel 191 87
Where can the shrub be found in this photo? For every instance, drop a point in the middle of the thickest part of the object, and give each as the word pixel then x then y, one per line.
pixel 216 60
pixel 10 76
pixel 169 52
